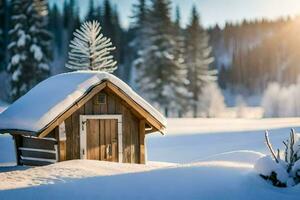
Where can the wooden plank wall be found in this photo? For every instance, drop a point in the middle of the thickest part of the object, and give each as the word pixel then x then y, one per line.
pixel 114 105
pixel 29 147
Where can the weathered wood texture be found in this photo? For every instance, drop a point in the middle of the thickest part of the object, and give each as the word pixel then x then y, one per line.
pixel 104 132
pixel 114 105
pixel 142 141
pixel 29 149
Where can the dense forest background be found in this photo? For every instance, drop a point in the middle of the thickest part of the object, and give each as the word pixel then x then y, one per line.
pixel 248 55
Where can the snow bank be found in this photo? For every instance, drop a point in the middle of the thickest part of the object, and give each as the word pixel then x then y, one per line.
pixel 266 165
pixel 50 98
pixel 20 177
pixel 101 180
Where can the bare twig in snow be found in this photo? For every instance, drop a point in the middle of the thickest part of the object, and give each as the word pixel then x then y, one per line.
pixel 269 145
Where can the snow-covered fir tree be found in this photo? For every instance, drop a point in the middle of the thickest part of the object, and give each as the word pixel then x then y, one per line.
pixel 90 50
pixel 29 47
pixel 139 39
pixel 182 96
pixel 162 72
pixel 198 60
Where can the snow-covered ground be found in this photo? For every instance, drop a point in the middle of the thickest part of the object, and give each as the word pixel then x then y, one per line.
pixel 214 160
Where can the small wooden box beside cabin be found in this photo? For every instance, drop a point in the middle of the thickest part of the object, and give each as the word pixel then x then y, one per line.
pixel 107 122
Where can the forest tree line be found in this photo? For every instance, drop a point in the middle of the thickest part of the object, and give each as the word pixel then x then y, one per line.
pixel 165 61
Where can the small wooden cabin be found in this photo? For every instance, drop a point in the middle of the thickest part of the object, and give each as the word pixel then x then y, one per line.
pixel 80 115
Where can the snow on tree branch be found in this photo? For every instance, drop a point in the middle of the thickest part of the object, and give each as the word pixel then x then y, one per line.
pixel 90 50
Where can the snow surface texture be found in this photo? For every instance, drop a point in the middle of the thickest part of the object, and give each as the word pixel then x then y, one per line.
pixel 223 168
pixel 220 125
pixel 53 96
pixel 80 179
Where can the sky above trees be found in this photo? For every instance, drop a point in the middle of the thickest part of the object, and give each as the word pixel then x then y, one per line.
pixel 214 11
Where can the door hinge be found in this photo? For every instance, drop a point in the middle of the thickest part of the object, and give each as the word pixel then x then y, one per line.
pixel 82 125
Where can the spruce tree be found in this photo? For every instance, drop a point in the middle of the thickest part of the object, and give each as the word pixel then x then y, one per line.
pixel 138 43
pixel 183 96
pixel 94 12
pixel 162 73
pixel 112 29
pixel 90 50
pixel 29 48
pixel 198 60
pixel 56 27
pixel 3 32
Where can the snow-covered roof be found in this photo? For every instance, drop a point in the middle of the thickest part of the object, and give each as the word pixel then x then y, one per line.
pixel 52 97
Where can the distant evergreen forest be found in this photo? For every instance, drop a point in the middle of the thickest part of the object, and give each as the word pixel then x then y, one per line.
pixel 248 55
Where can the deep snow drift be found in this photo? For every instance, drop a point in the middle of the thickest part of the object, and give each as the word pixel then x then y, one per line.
pixel 210 165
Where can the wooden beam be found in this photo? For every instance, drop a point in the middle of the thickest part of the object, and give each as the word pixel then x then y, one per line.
pixel 17 132
pixel 17 143
pixel 142 141
pixel 149 118
pixel 71 110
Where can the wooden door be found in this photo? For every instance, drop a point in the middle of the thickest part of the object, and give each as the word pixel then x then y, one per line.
pixel 102 139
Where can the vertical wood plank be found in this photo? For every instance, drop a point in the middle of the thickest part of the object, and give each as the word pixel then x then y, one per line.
pixel 107 140
pixel 88 107
pixel 111 104
pixel 102 139
pixel 62 151
pixel 93 139
pixel 56 136
pixel 17 144
pixel 132 139
pixel 76 136
pixel 103 107
pixel 142 141
pixel 69 141
pixel 96 106
pixel 127 135
pixel 118 106
pixel 114 139
pixel 136 140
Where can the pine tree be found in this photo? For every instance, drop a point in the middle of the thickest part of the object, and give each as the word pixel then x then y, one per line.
pixel 182 96
pixel 112 29
pixel 108 26
pixel 94 12
pixel 29 46
pixel 90 50
pixel 41 38
pixel 198 60
pixel 162 73
pixel 138 43
pixel 3 31
pixel 56 27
